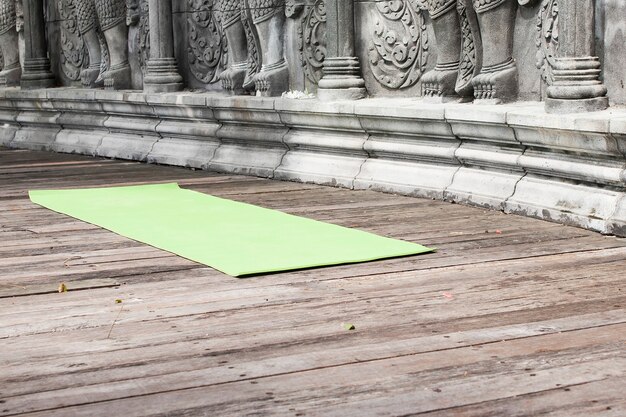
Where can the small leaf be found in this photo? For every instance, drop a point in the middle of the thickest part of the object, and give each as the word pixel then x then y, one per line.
pixel 349 326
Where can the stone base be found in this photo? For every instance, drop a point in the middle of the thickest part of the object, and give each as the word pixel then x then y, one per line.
pixel 565 202
pixel 11 77
pixel 405 177
pixel 517 158
pixel 561 106
pixel 246 160
pixel 37 81
pixel 162 88
pixel 617 224
pixel 189 153
pixel 481 187
pixel 446 99
pixel 336 94
pixel 313 167
pixel 78 141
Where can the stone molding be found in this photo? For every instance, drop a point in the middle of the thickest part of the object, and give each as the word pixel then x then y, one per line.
pixel 512 157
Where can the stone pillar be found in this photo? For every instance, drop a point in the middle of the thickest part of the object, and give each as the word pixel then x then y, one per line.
pixel 161 70
pixel 36 73
pixel 342 72
pixel 576 71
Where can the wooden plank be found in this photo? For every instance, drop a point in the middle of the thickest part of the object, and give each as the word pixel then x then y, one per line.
pixel 602 398
pixel 490 372
pixel 187 339
pixel 477 290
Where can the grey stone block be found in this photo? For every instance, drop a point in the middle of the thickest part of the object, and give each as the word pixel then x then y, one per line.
pixel 481 187
pixel 563 202
pixel 126 146
pixel 35 137
pixel 409 178
pixel 247 159
pixel 191 153
pixel 78 141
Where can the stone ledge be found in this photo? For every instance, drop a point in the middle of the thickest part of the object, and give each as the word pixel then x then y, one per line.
pixel 516 158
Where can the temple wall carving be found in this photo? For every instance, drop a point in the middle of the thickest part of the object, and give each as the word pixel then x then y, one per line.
pixel 492 51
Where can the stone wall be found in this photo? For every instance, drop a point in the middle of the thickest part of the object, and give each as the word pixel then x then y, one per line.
pixel 394 40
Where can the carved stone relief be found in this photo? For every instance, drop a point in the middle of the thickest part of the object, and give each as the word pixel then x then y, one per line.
pixel 138 15
pixel 311 35
pixel 474 50
pixel 497 81
pixel 101 27
pixel 11 69
pixel 73 56
pixel 440 83
pixel 254 30
pixel 207 47
pixel 268 17
pixel 547 38
pixel 398 50
pixel 471 49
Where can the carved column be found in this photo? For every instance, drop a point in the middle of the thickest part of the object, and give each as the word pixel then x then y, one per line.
pixel 36 73
pixel 342 71
pixel 576 71
pixel 162 70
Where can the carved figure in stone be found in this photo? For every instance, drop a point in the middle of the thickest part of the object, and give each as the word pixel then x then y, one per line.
pixel 268 17
pixel 398 51
pixel 11 69
pixel 237 78
pixel 475 50
pixel 109 17
pixel 441 81
pixel 498 77
pixel 254 30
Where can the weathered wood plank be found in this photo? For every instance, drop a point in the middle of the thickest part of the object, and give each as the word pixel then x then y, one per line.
pixel 365 385
pixel 188 340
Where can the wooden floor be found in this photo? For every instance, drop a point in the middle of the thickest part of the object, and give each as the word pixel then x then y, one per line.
pixel 511 317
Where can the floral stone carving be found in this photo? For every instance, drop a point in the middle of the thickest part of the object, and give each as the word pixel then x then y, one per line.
pixel 311 35
pixel 138 14
pixel 398 51
pixel 73 53
pixel 547 38
pixel 207 49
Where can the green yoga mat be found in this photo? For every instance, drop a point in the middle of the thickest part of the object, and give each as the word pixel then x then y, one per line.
pixel 236 238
